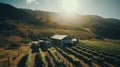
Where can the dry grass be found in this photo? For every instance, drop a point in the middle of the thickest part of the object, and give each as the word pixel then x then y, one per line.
pixel 14 38
pixel 50 31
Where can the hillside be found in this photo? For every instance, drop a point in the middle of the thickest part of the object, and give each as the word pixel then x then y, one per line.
pixel 101 27
pixel 17 15
pixel 21 24
pixel 18 25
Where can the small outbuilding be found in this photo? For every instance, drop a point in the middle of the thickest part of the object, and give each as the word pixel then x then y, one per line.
pixel 46 44
pixel 35 43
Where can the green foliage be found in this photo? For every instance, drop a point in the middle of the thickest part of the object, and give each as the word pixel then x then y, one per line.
pixel 27 40
pixel 108 29
pixel 76 62
pixel 82 52
pixel 80 56
pixel 15 44
pixel 4 44
pixel 56 59
pixel 106 51
pixel 28 60
pixel 45 38
pixel 42 57
pixel 5 25
pixel 103 46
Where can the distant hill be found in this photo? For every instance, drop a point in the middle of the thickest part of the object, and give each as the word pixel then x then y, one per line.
pixel 34 24
pixel 101 27
pixel 9 12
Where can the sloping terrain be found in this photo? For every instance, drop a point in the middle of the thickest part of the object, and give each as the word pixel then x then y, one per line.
pixel 25 24
pixel 101 27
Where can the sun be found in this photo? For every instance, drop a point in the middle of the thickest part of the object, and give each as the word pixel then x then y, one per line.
pixel 70 6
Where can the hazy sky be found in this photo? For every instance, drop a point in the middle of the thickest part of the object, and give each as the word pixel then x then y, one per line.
pixel 104 8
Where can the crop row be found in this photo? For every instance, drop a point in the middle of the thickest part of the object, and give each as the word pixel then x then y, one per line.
pixel 80 56
pixel 28 60
pixel 56 59
pixel 70 58
pixel 100 53
pixel 42 57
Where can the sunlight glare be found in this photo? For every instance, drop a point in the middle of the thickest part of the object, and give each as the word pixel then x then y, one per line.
pixel 70 6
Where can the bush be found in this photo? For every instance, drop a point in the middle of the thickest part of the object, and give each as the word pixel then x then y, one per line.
pixel 26 41
pixel 14 44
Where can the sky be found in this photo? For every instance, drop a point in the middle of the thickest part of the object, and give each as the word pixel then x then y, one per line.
pixel 104 8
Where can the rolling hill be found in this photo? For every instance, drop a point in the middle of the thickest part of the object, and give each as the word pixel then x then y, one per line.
pixel 21 24
pixel 101 27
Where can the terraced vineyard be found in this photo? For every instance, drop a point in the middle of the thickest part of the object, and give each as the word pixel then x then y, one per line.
pixel 81 55
pixel 85 54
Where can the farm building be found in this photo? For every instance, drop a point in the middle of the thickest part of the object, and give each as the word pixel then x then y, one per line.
pixel 63 40
pixel 35 43
pixel 45 44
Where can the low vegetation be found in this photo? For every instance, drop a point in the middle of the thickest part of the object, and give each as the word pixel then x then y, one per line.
pixel 56 59
pixel 97 39
pixel 42 57
pixel 88 52
pixel 28 60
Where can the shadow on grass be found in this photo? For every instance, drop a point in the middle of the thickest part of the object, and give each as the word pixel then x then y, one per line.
pixel 38 61
pixel 22 62
pixel 49 64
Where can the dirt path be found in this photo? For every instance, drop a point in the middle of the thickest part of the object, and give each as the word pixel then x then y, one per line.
pixel 95 64
pixel 33 58
pixel 51 62
pixel 110 65
pixel 88 29
pixel 17 60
